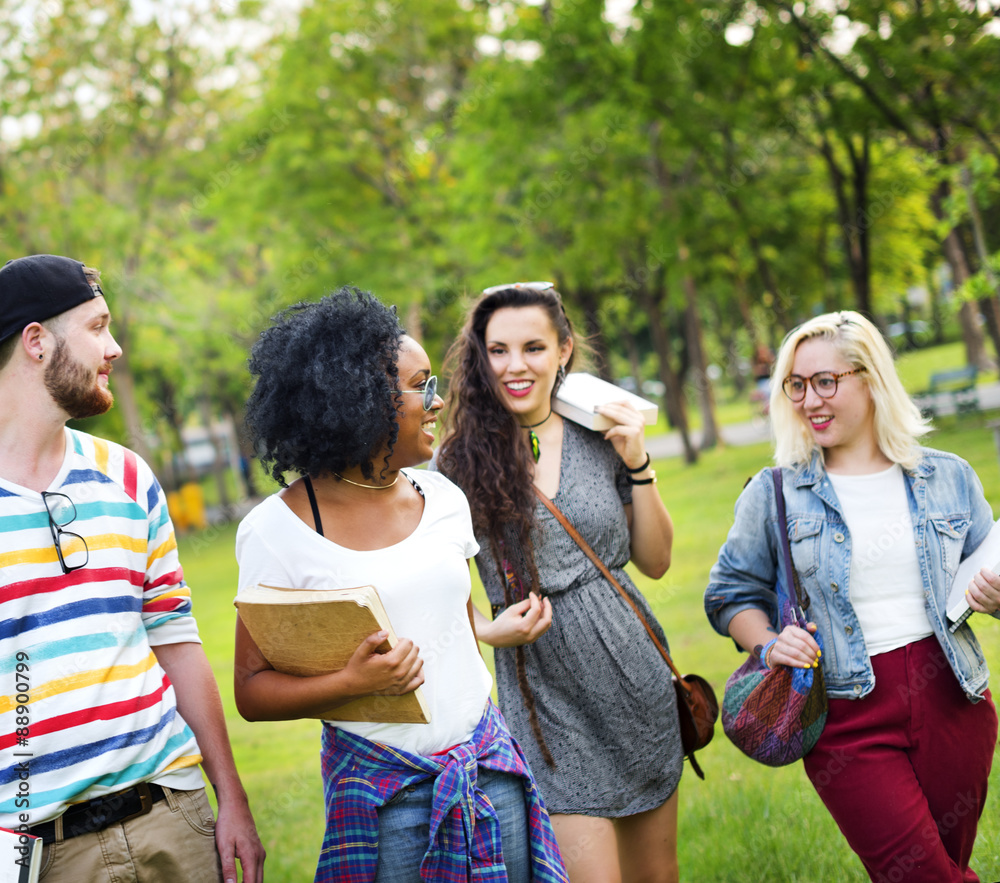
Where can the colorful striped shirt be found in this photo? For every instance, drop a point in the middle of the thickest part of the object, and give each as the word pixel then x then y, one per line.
pixel 360 776
pixel 85 709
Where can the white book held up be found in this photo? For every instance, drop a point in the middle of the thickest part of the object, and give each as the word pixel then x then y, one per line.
pixel 580 393
pixel 987 554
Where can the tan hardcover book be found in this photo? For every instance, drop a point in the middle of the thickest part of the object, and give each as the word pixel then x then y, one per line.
pixel 580 393
pixel 316 631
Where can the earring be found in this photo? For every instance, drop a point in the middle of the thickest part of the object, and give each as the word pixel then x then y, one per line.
pixel 39 357
pixel 561 373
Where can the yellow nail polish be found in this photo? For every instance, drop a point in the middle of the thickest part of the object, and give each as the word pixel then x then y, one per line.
pixel 819 653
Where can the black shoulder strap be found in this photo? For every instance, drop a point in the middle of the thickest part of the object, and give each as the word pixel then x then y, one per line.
pixel 315 507
pixel 801 599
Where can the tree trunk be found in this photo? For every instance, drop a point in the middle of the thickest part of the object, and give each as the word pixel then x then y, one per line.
pixel 852 215
pixel 219 464
pixel 634 362
pixel 699 366
pixel 989 306
pixel 673 399
pixel 591 305
pixel 124 390
pixel 735 364
pixel 937 310
pixel 246 454
pixel 975 351
pixel 413 324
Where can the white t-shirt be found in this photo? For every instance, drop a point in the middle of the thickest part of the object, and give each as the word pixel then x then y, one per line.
pixel 424 584
pixel 886 587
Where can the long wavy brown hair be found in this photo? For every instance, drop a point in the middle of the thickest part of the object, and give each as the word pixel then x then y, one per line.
pixel 486 453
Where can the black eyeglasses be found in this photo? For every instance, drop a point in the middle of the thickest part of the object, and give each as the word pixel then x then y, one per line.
pixel 824 382
pixel 531 286
pixel 62 511
pixel 428 392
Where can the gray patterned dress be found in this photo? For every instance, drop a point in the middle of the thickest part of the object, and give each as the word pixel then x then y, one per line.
pixel 602 691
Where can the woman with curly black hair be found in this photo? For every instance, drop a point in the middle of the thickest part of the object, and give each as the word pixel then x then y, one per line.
pixel 582 686
pixel 347 402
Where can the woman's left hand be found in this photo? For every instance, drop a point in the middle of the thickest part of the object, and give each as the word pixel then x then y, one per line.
pixel 628 435
pixel 983 593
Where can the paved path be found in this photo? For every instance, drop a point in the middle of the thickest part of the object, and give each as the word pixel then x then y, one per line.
pixel 670 444
pixel 759 430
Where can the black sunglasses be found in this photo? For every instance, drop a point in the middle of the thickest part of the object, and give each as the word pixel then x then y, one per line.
pixel 62 511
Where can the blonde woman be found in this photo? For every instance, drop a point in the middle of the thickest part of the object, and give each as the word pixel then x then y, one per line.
pixel 877 526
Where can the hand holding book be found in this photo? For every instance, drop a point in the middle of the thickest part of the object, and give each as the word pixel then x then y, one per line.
pixel 971 590
pixel 983 594
pixel 347 663
pixel 392 672
pixel 628 434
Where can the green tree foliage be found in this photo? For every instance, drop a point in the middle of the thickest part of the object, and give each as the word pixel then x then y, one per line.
pixel 696 178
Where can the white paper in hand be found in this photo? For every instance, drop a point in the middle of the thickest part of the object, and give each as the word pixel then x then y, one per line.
pixel 986 555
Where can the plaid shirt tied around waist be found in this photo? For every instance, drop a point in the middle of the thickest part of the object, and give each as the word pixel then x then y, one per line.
pixel 360 776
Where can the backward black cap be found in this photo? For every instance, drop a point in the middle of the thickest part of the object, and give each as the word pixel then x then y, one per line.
pixel 38 287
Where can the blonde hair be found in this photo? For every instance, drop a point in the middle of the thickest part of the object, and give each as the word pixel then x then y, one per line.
pixel 898 422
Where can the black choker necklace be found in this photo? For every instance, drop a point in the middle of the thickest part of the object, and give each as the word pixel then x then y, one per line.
pixel 533 437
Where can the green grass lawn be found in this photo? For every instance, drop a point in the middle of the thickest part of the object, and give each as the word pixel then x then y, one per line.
pixel 744 823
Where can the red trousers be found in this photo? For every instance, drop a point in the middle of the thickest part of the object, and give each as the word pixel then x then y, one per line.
pixel 904 770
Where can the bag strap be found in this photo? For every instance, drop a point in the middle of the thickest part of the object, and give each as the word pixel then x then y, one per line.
pixel 791 577
pixel 592 555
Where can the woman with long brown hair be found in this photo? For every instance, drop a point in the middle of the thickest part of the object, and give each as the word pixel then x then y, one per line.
pixel 582 687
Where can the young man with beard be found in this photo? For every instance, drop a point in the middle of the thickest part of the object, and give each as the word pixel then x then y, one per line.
pixel 107 704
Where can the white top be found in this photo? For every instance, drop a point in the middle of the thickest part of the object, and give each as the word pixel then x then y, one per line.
pixel 424 584
pixel 886 588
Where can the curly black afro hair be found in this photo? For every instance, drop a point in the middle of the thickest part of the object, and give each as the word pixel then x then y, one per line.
pixel 325 371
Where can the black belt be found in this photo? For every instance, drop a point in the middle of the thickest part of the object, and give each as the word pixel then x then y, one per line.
pixel 101 812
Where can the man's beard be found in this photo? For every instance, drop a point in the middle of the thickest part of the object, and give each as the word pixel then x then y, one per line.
pixel 73 388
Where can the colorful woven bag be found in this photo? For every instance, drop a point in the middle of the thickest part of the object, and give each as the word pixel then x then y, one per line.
pixel 776 715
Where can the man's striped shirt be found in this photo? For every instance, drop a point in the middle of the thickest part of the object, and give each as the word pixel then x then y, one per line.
pixel 85 709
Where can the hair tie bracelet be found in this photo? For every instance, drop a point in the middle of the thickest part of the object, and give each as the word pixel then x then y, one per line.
pixel 639 469
pixel 768 647
pixel 650 480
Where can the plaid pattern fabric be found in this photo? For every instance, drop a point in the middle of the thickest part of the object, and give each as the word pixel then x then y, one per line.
pixel 360 776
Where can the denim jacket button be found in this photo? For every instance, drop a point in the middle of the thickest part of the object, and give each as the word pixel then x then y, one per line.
pixel 835 587
pixel 857 689
pixel 848 630
pixel 838 537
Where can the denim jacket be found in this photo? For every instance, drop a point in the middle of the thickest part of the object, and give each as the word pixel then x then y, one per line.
pixel 950 519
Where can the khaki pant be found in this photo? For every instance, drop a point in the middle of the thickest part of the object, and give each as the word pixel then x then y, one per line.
pixel 173 843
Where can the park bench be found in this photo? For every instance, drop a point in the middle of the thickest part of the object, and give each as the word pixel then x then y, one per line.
pixel 957 386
